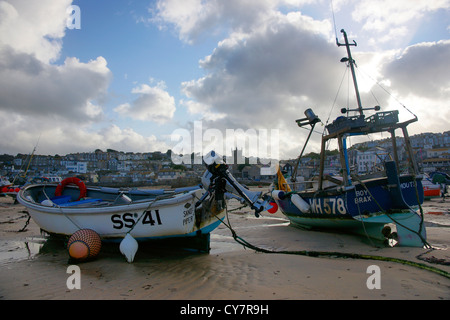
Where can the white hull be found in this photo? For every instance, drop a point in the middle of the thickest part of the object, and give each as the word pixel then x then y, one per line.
pixel 143 219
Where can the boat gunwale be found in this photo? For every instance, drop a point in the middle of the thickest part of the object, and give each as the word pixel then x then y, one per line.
pixel 341 189
pixel 141 204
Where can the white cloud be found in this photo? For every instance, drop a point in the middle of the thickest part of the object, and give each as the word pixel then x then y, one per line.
pixel 419 78
pixel 20 134
pixel 204 110
pixel 62 103
pixel 153 104
pixel 195 18
pixel 268 77
pixel 433 114
pixel 272 66
pixel 38 89
pixel 382 15
pixel 127 140
pixel 38 97
pixel 34 27
pixel 272 61
pixel 395 21
pixel 422 69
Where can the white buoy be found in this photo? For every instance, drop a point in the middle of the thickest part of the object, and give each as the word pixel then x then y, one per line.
pixel 301 204
pixel 278 194
pixel 128 247
pixel 48 203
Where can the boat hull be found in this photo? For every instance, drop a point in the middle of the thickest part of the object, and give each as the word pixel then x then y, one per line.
pixel 431 192
pixel 144 219
pixel 345 203
pixel 430 189
pixel 371 227
pixel 365 210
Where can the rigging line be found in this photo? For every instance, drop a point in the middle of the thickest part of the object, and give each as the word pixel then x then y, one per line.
pixel 315 131
pixel 334 20
pixel 363 225
pixel 337 94
pixel 348 89
pixel 385 90
pixel 356 177
pixel 361 72
pixel 60 208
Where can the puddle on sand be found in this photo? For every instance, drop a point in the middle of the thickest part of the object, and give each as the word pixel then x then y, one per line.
pixel 222 244
pixel 17 250
pixel 27 249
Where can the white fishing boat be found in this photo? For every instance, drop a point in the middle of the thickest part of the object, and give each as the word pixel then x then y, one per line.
pixel 112 213
pixel 186 213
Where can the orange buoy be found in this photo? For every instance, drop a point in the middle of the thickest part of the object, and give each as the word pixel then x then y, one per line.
pixel 79 250
pixel 84 244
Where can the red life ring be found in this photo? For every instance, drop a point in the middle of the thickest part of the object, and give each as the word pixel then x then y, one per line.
pixel 73 180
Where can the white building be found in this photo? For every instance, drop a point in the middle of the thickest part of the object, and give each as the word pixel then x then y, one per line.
pixel 168 174
pixel 76 166
pixel 438 153
pixel 367 161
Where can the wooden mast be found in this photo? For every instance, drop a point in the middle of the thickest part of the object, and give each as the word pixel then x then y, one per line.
pixel 352 67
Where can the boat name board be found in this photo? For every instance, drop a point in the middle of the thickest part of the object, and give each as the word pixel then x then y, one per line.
pixel 336 205
pixel 406 185
pixel 328 205
pixel 188 216
pixel 128 220
pixel 362 196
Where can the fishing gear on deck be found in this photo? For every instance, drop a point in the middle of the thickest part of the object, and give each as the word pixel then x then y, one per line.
pixel 217 178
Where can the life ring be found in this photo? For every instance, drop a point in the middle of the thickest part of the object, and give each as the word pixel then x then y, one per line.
pixel 80 184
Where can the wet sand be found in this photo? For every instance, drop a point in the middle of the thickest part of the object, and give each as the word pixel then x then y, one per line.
pixel 33 267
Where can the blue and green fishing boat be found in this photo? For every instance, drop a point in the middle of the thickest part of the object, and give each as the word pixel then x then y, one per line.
pixel 384 205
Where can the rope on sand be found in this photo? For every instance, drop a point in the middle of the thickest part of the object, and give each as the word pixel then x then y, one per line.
pixel 335 254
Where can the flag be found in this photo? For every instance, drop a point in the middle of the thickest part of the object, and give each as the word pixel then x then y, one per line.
pixel 282 183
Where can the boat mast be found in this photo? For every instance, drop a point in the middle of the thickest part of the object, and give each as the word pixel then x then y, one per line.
pixel 352 67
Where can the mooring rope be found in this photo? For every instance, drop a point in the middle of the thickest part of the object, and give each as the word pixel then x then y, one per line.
pixel 332 254
pixel 24 228
pixel 354 176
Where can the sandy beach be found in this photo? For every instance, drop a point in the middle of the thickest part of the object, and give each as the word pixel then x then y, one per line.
pixel 34 267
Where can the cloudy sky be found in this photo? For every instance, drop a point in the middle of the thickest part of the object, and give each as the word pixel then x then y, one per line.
pixel 134 72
